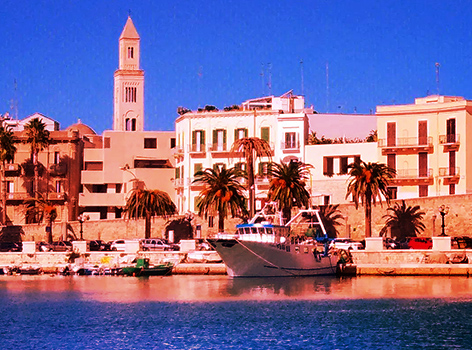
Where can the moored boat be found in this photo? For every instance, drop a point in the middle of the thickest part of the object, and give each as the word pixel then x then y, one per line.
pixel 143 268
pixel 264 248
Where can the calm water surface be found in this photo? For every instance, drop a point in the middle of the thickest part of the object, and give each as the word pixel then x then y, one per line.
pixel 216 312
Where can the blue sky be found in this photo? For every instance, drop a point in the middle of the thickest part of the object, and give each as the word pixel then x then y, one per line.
pixel 63 54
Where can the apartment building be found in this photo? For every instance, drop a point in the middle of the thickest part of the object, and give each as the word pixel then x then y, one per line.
pixel 426 142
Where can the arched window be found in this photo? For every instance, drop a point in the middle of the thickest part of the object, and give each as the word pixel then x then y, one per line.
pixel 130 52
pixel 133 124
pixel 127 124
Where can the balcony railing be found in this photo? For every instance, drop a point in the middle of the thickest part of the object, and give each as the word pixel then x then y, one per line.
pixel 413 177
pixel 18 196
pixel 179 182
pixel 449 172
pixel 215 147
pixel 450 142
pixel 12 169
pixel 197 148
pixel 56 196
pixel 290 146
pixel 406 145
pixel 58 169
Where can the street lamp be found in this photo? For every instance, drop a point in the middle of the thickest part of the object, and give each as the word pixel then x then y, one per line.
pixel 443 210
pixel 82 218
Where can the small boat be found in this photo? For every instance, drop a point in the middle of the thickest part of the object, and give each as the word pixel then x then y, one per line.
pixel 265 248
pixel 142 268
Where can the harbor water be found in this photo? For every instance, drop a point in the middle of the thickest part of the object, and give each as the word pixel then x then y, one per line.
pixel 216 312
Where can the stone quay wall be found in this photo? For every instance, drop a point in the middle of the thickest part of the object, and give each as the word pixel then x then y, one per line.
pixel 458 222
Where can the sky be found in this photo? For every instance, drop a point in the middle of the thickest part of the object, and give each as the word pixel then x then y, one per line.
pixel 58 57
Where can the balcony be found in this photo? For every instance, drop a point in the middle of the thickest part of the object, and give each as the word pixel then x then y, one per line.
pixel 179 183
pixel 219 150
pixel 12 170
pixel 102 199
pixel 412 177
pixel 56 196
pixel 58 169
pixel 197 150
pixel 449 175
pixel 178 152
pixel 18 196
pixel 262 182
pixel 290 147
pixel 450 142
pixel 407 145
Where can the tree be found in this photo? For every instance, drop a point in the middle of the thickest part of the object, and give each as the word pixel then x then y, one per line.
pixel 43 210
pixel 144 203
pixel 330 216
pixel 287 186
pixel 38 138
pixel 7 154
pixel 369 182
pixel 222 194
pixel 252 149
pixel 403 221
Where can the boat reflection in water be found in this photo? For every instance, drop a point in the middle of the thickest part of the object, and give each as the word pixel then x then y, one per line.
pixel 192 288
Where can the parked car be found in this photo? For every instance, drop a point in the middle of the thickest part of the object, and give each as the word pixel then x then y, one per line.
pixel 463 242
pixel 403 243
pixel 420 243
pixel 117 245
pixel 11 247
pixel 43 247
pixel 97 245
pixel 61 246
pixel 157 244
pixel 345 243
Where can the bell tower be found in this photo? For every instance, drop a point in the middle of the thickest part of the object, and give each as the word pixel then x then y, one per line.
pixel 128 108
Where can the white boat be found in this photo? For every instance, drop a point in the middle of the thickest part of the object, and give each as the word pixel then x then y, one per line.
pixel 263 248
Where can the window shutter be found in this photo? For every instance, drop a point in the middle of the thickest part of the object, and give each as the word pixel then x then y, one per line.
pixel 224 137
pixel 236 134
pixel 202 142
pixel 265 132
pixel 177 173
pixel 245 132
pixel 194 137
pixel 215 137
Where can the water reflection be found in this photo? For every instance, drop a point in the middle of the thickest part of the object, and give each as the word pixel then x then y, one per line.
pixel 221 288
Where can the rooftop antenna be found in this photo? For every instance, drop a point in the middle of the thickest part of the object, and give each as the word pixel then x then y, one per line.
pixel 327 87
pixel 200 75
pixel 269 83
pixel 301 73
pixel 262 80
pixel 437 76
pixel 14 101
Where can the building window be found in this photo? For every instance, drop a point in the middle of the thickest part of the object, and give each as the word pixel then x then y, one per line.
pixel 343 164
pixel 423 164
pixel 219 140
pixel 391 134
pixel 172 142
pixel 106 142
pixel 93 166
pixel 118 188
pixel 264 169
pixel 219 166
pixel 290 140
pixel 392 161
pixel 56 158
pixel 130 52
pixel 422 132
pixel 452 189
pixel 328 166
pixel 240 166
pixel 150 143
pixel 198 140
pixel 58 186
pixel 10 187
pixel 130 94
pixel 99 188
pixel 452 163
pixel 177 173
pixel 265 134
pixel 423 190
pixel 133 124
pixel 197 167
pixel 239 134
pixel 451 130
pixel 325 200
pixel 392 192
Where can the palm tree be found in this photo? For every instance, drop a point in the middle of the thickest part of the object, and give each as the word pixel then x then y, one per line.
pixel 252 149
pixel 369 182
pixel 287 186
pixel 7 154
pixel 144 203
pixel 38 138
pixel 42 209
pixel 330 216
pixel 222 193
pixel 404 221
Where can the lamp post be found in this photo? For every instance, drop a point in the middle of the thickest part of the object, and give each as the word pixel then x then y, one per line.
pixel 443 210
pixel 82 218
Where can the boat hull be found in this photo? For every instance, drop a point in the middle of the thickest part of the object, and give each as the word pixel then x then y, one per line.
pixel 160 270
pixel 261 259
